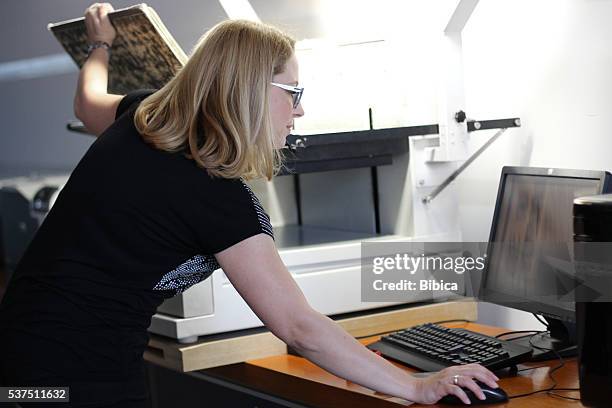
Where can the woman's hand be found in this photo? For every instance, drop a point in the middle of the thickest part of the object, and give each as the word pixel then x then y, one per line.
pixel 99 27
pixel 436 386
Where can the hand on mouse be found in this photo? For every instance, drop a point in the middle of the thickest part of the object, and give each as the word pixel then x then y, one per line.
pixel 450 380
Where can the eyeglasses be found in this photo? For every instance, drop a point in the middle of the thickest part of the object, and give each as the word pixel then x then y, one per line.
pixel 295 91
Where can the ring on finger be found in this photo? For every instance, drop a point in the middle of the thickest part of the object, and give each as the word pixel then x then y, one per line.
pixel 455 379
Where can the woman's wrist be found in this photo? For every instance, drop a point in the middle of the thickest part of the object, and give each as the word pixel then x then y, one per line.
pixel 109 39
pixel 413 390
pixel 406 386
pixel 422 390
pixel 94 45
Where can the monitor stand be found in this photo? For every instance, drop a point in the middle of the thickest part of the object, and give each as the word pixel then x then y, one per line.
pixel 561 338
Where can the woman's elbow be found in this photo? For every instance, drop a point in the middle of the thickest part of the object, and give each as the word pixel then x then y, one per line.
pixel 83 110
pixel 79 109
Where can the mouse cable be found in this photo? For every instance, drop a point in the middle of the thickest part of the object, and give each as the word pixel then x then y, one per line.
pixel 453 321
pixel 533 332
pixel 550 372
pixel 393 331
pixel 554 394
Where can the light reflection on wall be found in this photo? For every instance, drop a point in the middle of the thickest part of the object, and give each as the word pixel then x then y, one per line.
pixel 383 55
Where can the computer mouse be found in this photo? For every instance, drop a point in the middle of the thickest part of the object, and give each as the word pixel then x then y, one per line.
pixel 493 396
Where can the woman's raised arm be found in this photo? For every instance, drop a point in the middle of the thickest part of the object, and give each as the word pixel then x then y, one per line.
pixel 93 105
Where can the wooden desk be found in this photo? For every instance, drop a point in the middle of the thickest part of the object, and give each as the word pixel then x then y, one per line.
pixel 291 378
pixel 236 347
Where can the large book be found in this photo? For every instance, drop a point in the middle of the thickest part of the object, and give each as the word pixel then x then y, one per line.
pixel 144 53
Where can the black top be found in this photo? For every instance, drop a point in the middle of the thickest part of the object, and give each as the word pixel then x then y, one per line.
pixel 133 226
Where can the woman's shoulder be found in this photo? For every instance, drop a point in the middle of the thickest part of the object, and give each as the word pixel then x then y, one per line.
pixel 230 195
pixel 132 99
pixel 226 186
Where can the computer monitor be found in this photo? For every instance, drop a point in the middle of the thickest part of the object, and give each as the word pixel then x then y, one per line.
pixel 529 256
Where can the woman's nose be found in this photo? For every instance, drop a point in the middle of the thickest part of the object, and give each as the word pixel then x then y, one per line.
pixel 299 111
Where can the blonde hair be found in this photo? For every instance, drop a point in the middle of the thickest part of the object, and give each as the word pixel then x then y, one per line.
pixel 216 108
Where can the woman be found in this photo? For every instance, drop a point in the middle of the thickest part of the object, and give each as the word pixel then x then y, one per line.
pixel 158 203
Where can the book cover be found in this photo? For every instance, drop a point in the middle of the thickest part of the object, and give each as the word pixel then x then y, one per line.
pixel 143 55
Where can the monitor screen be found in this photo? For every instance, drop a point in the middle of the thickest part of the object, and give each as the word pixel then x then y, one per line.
pixel 529 259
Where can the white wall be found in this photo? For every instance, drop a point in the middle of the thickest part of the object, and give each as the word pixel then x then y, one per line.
pixel 550 63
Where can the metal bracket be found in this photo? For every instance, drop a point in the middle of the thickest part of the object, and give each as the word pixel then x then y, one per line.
pixel 427 199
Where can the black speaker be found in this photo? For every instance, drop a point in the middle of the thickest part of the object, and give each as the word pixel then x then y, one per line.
pixel 593 262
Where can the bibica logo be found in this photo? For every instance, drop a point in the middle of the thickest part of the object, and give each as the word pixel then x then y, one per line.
pixel 407 285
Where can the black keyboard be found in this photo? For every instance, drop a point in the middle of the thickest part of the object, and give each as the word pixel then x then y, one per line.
pixel 430 347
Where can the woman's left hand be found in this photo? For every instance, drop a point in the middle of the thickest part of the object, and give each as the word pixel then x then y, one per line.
pixel 99 27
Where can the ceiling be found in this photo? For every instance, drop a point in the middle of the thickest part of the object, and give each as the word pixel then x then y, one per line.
pixel 24 35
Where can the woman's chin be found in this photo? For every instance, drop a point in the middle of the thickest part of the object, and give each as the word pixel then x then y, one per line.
pixel 281 142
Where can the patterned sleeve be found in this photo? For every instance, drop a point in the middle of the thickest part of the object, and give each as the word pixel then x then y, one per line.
pixel 262 216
